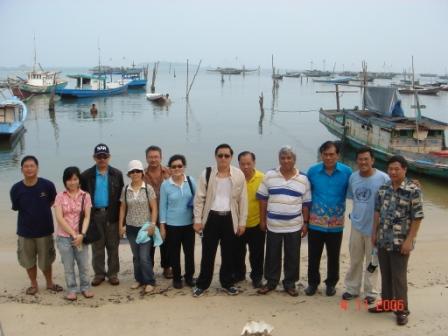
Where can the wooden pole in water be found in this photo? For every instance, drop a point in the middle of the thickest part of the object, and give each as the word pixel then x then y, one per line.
pixel 154 74
pixel 53 89
pixel 194 77
pixel 186 85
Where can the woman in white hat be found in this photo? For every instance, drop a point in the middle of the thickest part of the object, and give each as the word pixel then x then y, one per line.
pixel 139 206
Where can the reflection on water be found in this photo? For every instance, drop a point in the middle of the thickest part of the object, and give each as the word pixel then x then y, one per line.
pixel 11 151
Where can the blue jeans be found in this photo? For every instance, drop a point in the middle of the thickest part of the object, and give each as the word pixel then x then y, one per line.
pixel 141 256
pixel 70 254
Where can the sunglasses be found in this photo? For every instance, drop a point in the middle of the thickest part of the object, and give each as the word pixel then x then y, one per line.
pixel 135 171
pixel 179 166
pixel 223 156
pixel 102 156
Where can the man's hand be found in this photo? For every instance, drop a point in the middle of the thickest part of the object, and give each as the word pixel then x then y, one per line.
pixel 240 231
pixel 151 229
pixel 373 240
pixel 198 227
pixel 263 226
pixel 407 246
pixel 304 230
pixel 122 231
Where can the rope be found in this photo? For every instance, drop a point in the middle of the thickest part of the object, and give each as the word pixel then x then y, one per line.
pixel 293 111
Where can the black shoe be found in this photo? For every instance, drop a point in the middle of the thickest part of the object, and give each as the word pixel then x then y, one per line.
pixel 369 299
pixel 231 290
pixel 347 296
pixel 378 308
pixel 198 292
pixel 177 284
pixel 292 291
pixel 330 291
pixel 310 290
pixel 190 282
pixel 239 278
pixel 257 284
pixel 402 319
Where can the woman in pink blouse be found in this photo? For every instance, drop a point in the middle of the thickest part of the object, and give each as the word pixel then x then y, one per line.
pixel 69 234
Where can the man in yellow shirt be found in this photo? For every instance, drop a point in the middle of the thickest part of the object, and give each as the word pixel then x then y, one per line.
pixel 254 237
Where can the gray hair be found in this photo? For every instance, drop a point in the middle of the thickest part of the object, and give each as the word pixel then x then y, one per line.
pixel 287 150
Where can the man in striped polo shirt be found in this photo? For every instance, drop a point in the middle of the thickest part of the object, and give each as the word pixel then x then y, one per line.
pixel 285 198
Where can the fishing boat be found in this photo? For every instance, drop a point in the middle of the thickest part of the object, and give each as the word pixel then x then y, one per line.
pixel 231 71
pixel 92 86
pixel 293 74
pixel 12 115
pixel 334 80
pixel 382 125
pixel 40 81
pixel 158 97
pixel 421 90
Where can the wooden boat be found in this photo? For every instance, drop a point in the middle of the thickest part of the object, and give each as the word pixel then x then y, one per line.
pixel 334 80
pixel 231 71
pixel 382 125
pixel 292 74
pixel 92 86
pixel 39 82
pixel 158 98
pixel 420 90
pixel 13 113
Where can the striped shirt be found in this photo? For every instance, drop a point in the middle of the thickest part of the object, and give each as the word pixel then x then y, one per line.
pixel 285 200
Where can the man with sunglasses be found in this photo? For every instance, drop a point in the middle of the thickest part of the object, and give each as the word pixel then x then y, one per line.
pixel 104 183
pixel 220 213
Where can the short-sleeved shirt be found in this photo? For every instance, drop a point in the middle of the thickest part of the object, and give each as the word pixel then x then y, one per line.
pixel 328 193
pixel 285 200
pixel 137 204
pixel 397 209
pixel 175 201
pixel 363 191
pixel 101 197
pixel 253 213
pixel 34 206
pixel 71 209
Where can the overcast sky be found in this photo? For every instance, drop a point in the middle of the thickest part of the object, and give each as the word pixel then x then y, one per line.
pixel 228 33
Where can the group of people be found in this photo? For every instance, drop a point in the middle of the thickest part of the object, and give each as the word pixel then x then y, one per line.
pixel 233 208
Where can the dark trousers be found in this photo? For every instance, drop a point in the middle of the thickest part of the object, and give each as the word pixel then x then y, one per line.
pixel 316 242
pixel 273 261
pixel 143 268
pixel 218 230
pixel 175 237
pixel 109 242
pixel 394 282
pixel 164 256
pixel 254 238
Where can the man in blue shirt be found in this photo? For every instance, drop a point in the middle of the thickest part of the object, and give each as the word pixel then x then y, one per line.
pixel 104 183
pixel 329 182
pixel 32 198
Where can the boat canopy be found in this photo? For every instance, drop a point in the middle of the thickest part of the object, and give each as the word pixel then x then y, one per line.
pixel 86 76
pixel 384 100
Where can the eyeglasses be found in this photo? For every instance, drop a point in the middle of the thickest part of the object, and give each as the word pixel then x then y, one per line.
pixel 135 171
pixel 179 166
pixel 102 156
pixel 223 156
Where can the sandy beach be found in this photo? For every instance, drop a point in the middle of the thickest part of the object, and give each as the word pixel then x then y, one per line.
pixel 121 310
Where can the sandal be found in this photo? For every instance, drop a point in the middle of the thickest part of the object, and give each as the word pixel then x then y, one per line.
pixel 31 290
pixel 55 288
pixel 136 285
pixel 149 289
pixel 264 290
pixel 88 294
pixel 71 296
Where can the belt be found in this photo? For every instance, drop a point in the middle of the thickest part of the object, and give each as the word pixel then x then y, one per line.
pixel 220 213
pixel 100 209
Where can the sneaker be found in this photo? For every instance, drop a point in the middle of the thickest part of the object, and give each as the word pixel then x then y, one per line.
pixel 310 290
pixel 231 290
pixel 369 299
pixel 347 296
pixel 330 291
pixel 198 292
pixel 402 319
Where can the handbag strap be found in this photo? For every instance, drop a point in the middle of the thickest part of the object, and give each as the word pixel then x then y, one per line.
pixel 81 214
pixel 190 185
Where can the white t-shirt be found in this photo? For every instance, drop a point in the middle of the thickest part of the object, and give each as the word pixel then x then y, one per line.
pixel 223 194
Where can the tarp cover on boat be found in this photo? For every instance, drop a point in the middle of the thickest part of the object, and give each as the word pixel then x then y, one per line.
pixel 384 100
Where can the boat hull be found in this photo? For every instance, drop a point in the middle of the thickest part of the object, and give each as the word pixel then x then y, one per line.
pixel 41 89
pixel 424 165
pixel 10 129
pixel 137 83
pixel 86 93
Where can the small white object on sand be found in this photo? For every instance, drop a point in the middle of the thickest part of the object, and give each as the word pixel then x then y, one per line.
pixel 257 328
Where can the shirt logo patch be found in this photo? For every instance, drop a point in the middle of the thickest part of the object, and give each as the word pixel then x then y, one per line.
pixel 363 194
pixel 43 194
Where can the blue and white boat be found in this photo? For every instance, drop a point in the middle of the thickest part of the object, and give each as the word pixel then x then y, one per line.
pixel 92 86
pixel 12 115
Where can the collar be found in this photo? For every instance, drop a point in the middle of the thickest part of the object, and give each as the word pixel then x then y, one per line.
pixel 98 172
pixel 79 193
pixel 280 173
pixel 336 168
pixel 170 180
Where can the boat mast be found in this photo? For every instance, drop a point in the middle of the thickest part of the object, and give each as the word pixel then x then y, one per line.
pixel 35 53
pixel 417 106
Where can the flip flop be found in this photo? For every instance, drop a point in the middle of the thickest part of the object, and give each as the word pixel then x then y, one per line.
pixel 88 294
pixel 71 297
pixel 55 288
pixel 31 290
pixel 149 289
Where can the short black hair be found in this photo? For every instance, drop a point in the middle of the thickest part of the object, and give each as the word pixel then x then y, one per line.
pixel 69 172
pixel 153 148
pixel 365 149
pixel 398 158
pixel 327 145
pixel 244 153
pixel 224 145
pixel 29 158
pixel 176 157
